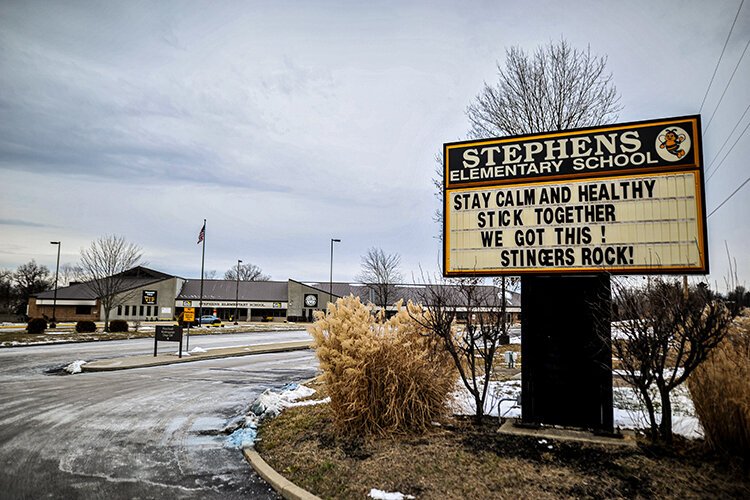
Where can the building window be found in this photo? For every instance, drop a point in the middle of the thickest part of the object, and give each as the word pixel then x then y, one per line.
pixel 83 309
pixel 148 310
pixel 140 313
pixel 127 310
pixel 119 310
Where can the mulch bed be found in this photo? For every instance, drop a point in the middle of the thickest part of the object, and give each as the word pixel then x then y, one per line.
pixel 459 459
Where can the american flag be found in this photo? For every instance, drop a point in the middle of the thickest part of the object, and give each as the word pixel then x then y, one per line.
pixel 202 234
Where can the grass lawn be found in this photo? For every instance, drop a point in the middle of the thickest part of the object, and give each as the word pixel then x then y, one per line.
pixel 458 459
pixel 20 337
pixel 17 337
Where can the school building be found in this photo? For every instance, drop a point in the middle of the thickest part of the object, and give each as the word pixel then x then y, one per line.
pixel 150 295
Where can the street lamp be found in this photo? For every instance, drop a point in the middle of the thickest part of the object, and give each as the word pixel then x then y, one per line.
pixel 237 293
pixel 57 271
pixel 330 280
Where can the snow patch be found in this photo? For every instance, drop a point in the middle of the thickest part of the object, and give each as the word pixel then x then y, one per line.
pixel 243 437
pixel 386 495
pixel 629 411
pixel 269 404
pixel 198 350
pixel 74 367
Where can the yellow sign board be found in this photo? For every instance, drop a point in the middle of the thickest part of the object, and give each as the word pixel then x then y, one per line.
pixel 189 314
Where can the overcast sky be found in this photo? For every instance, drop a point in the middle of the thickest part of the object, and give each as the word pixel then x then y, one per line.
pixel 286 124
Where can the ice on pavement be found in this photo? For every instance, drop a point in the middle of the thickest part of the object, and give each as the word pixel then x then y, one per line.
pixel 75 367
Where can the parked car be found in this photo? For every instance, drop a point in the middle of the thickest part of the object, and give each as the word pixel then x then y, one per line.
pixel 209 319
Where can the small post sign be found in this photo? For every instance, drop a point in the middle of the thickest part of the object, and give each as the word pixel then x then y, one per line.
pixel 168 333
pixel 188 314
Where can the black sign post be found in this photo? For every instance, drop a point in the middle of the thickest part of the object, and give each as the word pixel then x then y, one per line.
pixel 168 333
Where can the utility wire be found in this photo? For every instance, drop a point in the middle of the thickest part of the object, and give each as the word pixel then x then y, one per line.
pixel 722 55
pixel 728 197
pixel 708 168
pixel 730 150
pixel 705 130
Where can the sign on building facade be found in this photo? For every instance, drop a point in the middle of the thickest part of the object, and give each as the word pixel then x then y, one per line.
pixel 149 297
pixel 626 199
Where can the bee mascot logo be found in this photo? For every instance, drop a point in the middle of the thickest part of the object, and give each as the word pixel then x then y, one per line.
pixel 673 143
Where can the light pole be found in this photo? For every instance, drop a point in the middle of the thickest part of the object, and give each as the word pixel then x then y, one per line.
pixel 57 271
pixel 330 280
pixel 237 293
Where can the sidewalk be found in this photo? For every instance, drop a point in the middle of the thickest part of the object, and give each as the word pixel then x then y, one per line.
pixel 143 361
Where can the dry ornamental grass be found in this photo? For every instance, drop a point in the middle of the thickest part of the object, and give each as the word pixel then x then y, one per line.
pixel 720 389
pixel 382 376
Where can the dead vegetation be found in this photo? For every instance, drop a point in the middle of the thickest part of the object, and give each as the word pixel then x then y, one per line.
pixel 382 376
pixel 459 459
pixel 720 389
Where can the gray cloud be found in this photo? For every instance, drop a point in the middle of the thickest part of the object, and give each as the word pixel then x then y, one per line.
pixel 285 125
pixel 23 223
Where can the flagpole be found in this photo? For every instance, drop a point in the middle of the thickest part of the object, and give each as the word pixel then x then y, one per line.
pixel 203 261
pixel 201 238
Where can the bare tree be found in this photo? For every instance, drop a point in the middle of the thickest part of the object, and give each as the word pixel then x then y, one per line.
pixel 209 275
pixel 7 292
pixel 30 278
pixel 483 309
pixel 248 272
pixel 556 88
pixel 662 335
pixel 380 273
pixel 102 268
pixel 68 274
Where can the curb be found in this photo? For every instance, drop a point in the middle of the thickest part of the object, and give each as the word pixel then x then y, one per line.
pixel 105 365
pixel 282 485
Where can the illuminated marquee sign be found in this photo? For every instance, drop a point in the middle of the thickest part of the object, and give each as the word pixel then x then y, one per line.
pixel 624 199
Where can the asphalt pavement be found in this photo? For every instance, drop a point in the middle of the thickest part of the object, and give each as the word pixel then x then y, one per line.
pixel 152 432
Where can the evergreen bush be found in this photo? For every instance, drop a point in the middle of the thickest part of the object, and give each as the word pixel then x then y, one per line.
pixel 36 325
pixel 118 325
pixel 85 326
pixel 382 376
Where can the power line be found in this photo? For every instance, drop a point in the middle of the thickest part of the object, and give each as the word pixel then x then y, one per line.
pixel 705 130
pixel 730 150
pixel 722 55
pixel 728 197
pixel 718 152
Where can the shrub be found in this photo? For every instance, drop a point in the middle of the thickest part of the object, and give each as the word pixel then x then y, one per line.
pixel 36 325
pixel 382 376
pixel 85 327
pixel 720 388
pixel 118 325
